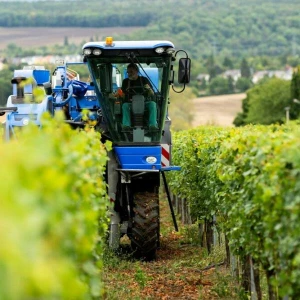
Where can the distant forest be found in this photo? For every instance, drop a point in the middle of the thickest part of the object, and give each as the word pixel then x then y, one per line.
pixel 236 28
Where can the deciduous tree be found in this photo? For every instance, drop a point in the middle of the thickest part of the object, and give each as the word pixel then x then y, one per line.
pixel 267 102
pixel 245 69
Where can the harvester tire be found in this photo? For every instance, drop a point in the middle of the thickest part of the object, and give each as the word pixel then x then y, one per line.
pixel 145 225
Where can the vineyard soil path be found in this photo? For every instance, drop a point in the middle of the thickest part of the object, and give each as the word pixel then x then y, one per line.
pixel 182 270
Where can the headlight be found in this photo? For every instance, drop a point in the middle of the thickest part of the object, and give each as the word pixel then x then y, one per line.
pixel 97 51
pixel 159 50
pixel 87 51
pixel 151 160
pixel 170 50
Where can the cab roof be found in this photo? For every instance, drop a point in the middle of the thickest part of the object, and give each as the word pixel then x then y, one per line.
pixel 119 45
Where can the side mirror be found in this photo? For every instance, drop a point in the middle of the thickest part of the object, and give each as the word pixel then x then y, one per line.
pixel 184 70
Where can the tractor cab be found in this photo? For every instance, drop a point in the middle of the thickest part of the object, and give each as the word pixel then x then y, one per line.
pixel 107 62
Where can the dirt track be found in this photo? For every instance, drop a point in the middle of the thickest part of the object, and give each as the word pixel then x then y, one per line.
pixel 217 110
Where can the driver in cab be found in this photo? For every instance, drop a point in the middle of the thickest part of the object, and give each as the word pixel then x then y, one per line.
pixel 133 85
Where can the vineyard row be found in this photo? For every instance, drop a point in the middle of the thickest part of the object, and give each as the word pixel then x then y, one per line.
pixel 52 213
pixel 248 179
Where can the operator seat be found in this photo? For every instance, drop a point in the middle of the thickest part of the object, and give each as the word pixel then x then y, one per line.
pixel 137 112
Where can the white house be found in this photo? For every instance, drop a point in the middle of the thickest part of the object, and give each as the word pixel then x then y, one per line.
pixel 200 77
pixel 234 74
pixel 286 74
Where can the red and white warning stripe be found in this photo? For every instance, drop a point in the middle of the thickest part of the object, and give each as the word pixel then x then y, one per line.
pixel 165 155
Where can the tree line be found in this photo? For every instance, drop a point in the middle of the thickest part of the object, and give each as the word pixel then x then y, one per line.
pixel 217 35
pixel 235 28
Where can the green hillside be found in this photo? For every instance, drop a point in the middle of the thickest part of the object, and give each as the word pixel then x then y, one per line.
pixel 223 27
pixel 218 35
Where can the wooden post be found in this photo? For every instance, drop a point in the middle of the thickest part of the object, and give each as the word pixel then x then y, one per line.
pixel 209 234
pixel 253 292
pixel 201 234
pixel 228 260
pixel 215 232
pixel 182 211
pixel 256 275
pixel 272 292
pixel 234 264
pixel 246 273
pixel 177 204
pixel 189 217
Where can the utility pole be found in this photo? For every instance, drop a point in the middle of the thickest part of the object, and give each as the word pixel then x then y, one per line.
pixel 287 114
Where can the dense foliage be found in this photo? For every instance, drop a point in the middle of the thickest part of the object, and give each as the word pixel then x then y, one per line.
pixel 249 178
pixel 295 85
pixel 202 27
pixel 266 103
pixel 53 213
pixel 271 101
pixel 218 35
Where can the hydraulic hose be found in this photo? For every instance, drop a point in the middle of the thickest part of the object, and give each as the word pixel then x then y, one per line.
pixel 63 103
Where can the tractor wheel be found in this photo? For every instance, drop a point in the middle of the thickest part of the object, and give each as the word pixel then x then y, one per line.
pixel 145 225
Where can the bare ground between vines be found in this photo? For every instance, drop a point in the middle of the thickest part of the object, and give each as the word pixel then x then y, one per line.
pixel 179 272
